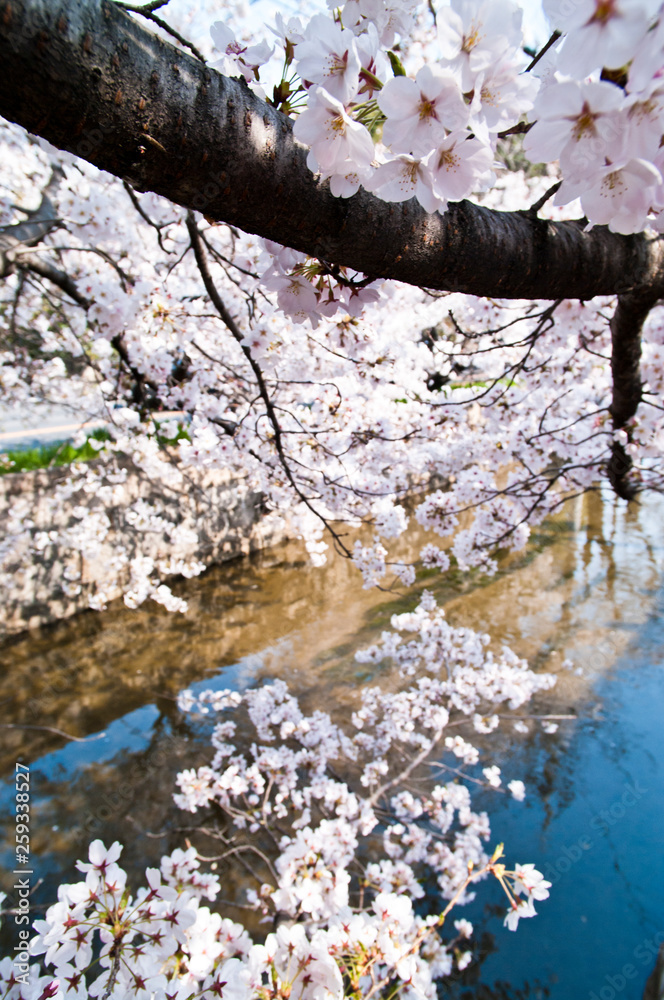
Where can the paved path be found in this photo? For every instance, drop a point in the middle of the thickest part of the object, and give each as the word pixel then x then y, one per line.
pixel 21 437
pixel 51 432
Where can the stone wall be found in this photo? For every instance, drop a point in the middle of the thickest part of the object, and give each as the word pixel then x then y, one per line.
pixel 51 564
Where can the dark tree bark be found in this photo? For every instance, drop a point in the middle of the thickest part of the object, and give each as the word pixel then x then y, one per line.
pixel 626 326
pixel 94 81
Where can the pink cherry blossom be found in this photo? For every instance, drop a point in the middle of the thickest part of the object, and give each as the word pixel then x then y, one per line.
pixel 335 139
pixel 328 56
pixel 295 295
pixel 459 165
pixel 405 177
pixel 420 111
pixel 599 32
pixel 245 59
pixel 619 195
pixel 473 33
pixel 577 124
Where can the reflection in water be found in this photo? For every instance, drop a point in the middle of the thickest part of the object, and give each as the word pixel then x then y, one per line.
pixel 582 603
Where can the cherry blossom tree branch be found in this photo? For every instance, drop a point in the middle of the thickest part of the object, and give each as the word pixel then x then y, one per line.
pixel 51 729
pixel 545 48
pixel 407 771
pixel 38 223
pixel 217 301
pixel 157 226
pixel 145 391
pixel 97 83
pixel 142 8
pixel 10 262
pixel 626 325
pixel 148 10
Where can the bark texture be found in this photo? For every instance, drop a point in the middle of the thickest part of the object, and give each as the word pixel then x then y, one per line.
pixel 94 81
pixel 626 325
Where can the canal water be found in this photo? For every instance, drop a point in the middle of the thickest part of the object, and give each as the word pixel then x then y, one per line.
pixel 585 601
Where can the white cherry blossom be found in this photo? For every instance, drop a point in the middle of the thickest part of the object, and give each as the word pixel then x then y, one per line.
pixel 473 33
pixel 404 177
pixel 620 195
pixel 328 56
pixel 335 139
pixel 459 165
pixel 392 18
pixel 420 111
pixel 647 61
pixel 599 32
pixel 347 178
pixel 520 910
pixel 503 95
pixel 642 117
pixel 576 123
pixel 518 789
pixel 372 401
pixel 237 57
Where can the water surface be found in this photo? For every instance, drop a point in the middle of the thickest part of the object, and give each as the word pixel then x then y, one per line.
pixel 585 602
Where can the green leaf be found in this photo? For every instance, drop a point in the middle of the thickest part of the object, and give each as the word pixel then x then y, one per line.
pixel 396 64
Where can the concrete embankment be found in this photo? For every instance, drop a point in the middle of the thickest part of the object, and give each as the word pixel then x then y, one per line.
pixel 66 539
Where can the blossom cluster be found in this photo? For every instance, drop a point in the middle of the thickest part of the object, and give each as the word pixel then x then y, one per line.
pixel 374 390
pixel 385 395
pixel 601 111
pixel 340 827
pixel 594 102
pixel 437 131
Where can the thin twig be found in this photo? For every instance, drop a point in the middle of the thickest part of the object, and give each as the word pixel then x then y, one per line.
pixel 113 976
pixel 142 8
pixel 552 41
pixel 217 301
pixel 57 732
pixel 146 218
pixel 147 11
pixel 534 209
pixel 178 37
pixel 416 761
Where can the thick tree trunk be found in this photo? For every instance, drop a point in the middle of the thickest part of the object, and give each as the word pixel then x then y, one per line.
pixel 626 326
pixel 94 81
